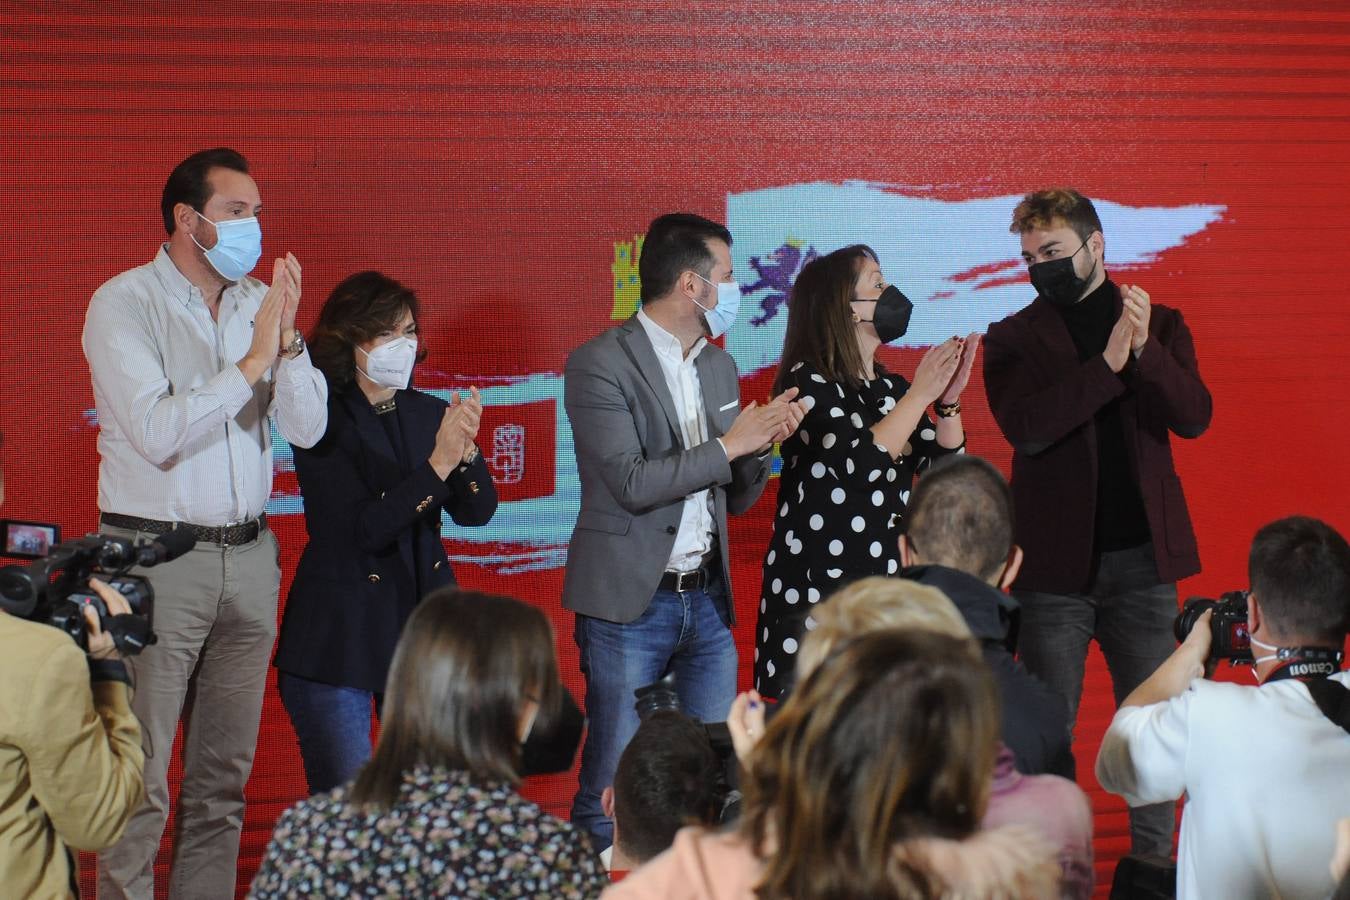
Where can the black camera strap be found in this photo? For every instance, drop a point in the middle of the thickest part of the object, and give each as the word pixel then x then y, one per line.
pixel 1314 666
pixel 1333 699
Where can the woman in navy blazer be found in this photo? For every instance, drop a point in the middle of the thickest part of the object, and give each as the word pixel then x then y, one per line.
pixel 374 487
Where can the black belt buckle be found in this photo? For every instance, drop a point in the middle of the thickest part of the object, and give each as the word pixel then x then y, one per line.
pixel 694 579
pixel 688 581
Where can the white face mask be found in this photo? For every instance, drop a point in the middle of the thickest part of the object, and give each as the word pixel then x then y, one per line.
pixel 391 363
pixel 1257 660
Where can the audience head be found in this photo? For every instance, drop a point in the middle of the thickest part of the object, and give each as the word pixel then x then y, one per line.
pixel 1299 571
pixel 890 737
pixel 668 777
pixel 364 311
pixel 873 604
pixel 961 516
pixel 469 676
pixel 821 330
pixel 676 247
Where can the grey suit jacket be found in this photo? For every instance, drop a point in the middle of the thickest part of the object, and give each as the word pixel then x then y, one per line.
pixel 635 472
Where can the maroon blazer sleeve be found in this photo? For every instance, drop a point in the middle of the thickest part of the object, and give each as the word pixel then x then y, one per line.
pixel 1168 372
pixel 1031 416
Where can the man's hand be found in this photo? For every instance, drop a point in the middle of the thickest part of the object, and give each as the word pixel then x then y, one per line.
pixel 1196 646
pixel 1340 858
pixel 796 411
pixel 1117 351
pixel 1137 308
pixel 756 426
pixel 101 644
pixel 267 324
pixel 1175 675
pixel 292 303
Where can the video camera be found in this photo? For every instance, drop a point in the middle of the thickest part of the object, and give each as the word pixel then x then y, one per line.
pixel 1230 638
pixel 55 589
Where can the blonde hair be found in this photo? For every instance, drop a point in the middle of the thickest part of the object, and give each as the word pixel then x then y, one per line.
pixel 1044 210
pixel 872 604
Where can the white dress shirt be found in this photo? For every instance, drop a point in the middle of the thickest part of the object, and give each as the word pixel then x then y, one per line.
pixel 697 525
pixel 182 435
pixel 1266 777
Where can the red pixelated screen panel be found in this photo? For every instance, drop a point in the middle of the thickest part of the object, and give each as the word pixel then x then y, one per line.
pixel 503 158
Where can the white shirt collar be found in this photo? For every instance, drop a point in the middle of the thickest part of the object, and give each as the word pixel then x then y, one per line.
pixel 666 344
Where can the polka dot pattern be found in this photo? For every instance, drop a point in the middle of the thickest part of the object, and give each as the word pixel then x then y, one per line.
pixel 841 500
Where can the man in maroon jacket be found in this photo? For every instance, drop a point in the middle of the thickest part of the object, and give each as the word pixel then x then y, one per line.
pixel 1088 383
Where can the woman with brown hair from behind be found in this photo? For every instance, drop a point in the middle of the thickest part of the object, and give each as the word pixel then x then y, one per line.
pixel 870 783
pixel 435 812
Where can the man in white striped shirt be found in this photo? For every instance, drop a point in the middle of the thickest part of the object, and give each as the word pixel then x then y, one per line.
pixel 192 361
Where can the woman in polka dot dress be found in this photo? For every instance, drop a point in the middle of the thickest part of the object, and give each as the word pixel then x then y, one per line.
pixel 848 470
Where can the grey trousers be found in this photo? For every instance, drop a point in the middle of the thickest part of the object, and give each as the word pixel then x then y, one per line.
pixel 215 615
pixel 1130 616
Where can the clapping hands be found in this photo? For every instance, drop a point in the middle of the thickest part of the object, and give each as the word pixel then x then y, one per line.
pixel 758 427
pixel 456 439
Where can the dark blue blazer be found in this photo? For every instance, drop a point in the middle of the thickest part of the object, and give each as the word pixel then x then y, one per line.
pixel 356 585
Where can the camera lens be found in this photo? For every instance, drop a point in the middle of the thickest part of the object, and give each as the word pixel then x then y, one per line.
pixel 1193 609
pixel 16 591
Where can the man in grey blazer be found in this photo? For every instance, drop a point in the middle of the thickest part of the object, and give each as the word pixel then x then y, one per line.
pixel 664 451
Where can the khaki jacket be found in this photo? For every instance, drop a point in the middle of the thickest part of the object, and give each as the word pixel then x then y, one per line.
pixel 70 760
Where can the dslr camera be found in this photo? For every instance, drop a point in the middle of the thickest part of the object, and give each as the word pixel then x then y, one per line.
pixel 662 695
pixel 1229 637
pixel 54 588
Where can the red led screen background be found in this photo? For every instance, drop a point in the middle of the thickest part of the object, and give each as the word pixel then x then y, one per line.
pixel 501 157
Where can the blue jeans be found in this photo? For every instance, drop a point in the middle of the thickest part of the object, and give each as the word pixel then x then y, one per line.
pixel 688 633
pixel 333 725
pixel 1130 615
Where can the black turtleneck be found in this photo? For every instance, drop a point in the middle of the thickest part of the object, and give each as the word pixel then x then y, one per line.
pixel 1121 521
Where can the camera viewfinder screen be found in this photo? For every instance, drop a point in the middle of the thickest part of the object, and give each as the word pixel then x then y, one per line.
pixel 30 539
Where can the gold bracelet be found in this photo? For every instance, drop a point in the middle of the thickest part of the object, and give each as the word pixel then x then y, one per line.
pixel 947 410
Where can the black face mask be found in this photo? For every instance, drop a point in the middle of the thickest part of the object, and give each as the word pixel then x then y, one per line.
pixel 550 749
pixel 891 316
pixel 1056 280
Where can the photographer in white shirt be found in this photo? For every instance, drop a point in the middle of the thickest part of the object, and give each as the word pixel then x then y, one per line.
pixel 1266 768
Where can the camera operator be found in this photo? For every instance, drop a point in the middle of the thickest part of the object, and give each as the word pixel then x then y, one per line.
pixel 1263 768
pixel 70 749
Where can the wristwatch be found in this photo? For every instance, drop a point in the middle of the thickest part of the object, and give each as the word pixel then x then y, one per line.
pixel 295 347
pixel 470 456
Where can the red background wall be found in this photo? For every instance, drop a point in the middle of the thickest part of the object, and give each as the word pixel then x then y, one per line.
pixel 490 154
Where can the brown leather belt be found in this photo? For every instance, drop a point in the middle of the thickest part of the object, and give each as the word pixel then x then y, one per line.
pixel 225 535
